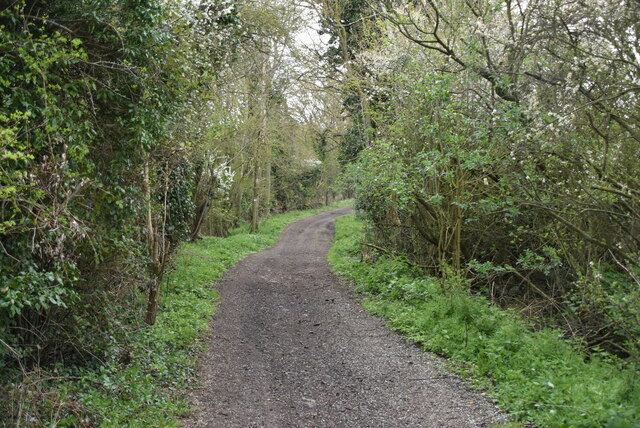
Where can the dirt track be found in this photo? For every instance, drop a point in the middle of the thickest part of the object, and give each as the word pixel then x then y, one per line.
pixel 291 347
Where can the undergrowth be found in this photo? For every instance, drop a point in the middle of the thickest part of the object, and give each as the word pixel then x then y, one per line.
pixel 144 381
pixel 538 377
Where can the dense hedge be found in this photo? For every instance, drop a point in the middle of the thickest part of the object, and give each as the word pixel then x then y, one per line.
pixel 91 95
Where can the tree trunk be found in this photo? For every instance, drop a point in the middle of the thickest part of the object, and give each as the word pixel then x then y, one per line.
pixel 263 141
pixel 267 179
pixel 152 248
pixel 255 209
pixel 201 213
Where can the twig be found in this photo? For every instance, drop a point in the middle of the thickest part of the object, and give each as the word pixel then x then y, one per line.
pixel 15 353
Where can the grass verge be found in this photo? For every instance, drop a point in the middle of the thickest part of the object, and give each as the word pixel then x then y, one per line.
pixel 536 376
pixel 144 382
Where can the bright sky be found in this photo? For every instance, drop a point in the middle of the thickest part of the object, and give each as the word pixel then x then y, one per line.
pixel 308 36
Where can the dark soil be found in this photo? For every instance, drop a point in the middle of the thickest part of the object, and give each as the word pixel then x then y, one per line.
pixel 291 346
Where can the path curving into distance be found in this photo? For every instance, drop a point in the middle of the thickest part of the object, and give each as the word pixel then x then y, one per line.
pixel 290 346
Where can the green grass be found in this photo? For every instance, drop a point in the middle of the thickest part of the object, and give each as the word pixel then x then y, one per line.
pixel 149 389
pixel 536 376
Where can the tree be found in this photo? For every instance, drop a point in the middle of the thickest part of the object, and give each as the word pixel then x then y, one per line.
pixel 494 153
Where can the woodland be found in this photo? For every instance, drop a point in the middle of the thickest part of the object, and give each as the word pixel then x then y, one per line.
pixel 491 144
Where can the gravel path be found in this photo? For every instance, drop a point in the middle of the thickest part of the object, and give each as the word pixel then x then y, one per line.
pixel 290 346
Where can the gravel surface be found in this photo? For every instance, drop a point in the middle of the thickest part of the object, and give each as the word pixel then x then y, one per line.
pixel 291 346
